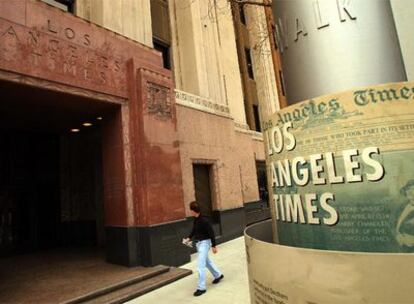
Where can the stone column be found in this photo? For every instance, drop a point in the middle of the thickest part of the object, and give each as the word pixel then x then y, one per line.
pixel 130 18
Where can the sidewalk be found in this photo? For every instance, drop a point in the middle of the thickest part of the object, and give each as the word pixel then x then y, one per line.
pixel 233 289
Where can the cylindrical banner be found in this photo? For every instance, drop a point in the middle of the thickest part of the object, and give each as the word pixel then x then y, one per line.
pixel 341 170
pixel 328 46
pixel 287 275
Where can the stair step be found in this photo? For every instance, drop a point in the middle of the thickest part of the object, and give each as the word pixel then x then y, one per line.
pixel 138 289
pixel 151 273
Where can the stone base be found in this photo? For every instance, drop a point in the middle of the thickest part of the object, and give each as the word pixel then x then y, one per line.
pixel 122 246
pixel 148 246
pixel 256 212
pixel 161 244
pixel 232 223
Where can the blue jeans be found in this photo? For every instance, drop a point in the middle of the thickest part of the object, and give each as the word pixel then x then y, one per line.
pixel 203 260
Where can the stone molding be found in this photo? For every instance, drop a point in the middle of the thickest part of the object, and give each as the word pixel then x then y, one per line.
pixel 243 128
pixel 257 136
pixel 58 87
pixel 202 104
pixel 208 106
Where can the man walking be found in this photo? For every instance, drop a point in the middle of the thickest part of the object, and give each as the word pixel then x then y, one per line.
pixel 204 238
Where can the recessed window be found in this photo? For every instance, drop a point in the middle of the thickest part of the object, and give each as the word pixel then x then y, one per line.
pixel 65 5
pixel 257 118
pixel 282 83
pixel 242 14
pixel 165 51
pixel 249 63
pixel 274 36
pixel 161 30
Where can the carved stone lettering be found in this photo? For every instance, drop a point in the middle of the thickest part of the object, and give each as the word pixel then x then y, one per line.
pixel 69 65
pixel 86 40
pixel 103 62
pixel 117 66
pixel 10 31
pixel 102 77
pixel 69 33
pixel 69 68
pixel 33 38
pixel 50 27
pixel 35 58
pixel 89 59
pixel 87 74
pixel 9 45
pixel 60 54
pixel 53 46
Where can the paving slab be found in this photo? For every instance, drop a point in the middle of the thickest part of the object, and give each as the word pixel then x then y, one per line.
pixel 233 289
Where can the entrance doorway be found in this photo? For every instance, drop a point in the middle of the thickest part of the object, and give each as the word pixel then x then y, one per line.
pixel 262 181
pixel 202 186
pixel 29 191
pixel 51 192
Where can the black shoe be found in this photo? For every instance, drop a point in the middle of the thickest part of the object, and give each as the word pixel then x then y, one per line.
pixel 198 292
pixel 215 281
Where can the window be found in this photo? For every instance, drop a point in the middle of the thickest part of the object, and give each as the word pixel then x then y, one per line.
pixel 66 5
pixel 257 118
pixel 161 30
pixel 274 36
pixel 249 63
pixel 165 51
pixel 242 14
pixel 282 82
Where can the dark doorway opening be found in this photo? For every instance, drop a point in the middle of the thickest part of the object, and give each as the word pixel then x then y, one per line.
pixel 202 186
pixel 29 191
pixel 51 192
pixel 262 181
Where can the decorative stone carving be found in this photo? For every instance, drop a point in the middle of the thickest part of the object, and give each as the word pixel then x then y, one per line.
pixel 158 101
pixel 200 103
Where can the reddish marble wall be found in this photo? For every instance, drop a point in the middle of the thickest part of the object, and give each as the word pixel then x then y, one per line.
pixel 43 46
pixel 158 165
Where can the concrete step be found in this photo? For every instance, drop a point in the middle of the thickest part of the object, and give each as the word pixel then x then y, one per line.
pixel 151 273
pixel 139 288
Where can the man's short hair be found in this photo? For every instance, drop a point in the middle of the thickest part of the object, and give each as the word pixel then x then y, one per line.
pixel 195 207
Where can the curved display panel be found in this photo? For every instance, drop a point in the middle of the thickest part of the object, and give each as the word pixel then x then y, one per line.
pixel 341 169
pixel 287 275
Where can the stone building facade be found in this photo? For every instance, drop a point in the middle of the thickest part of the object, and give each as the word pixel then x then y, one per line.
pixel 130 110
